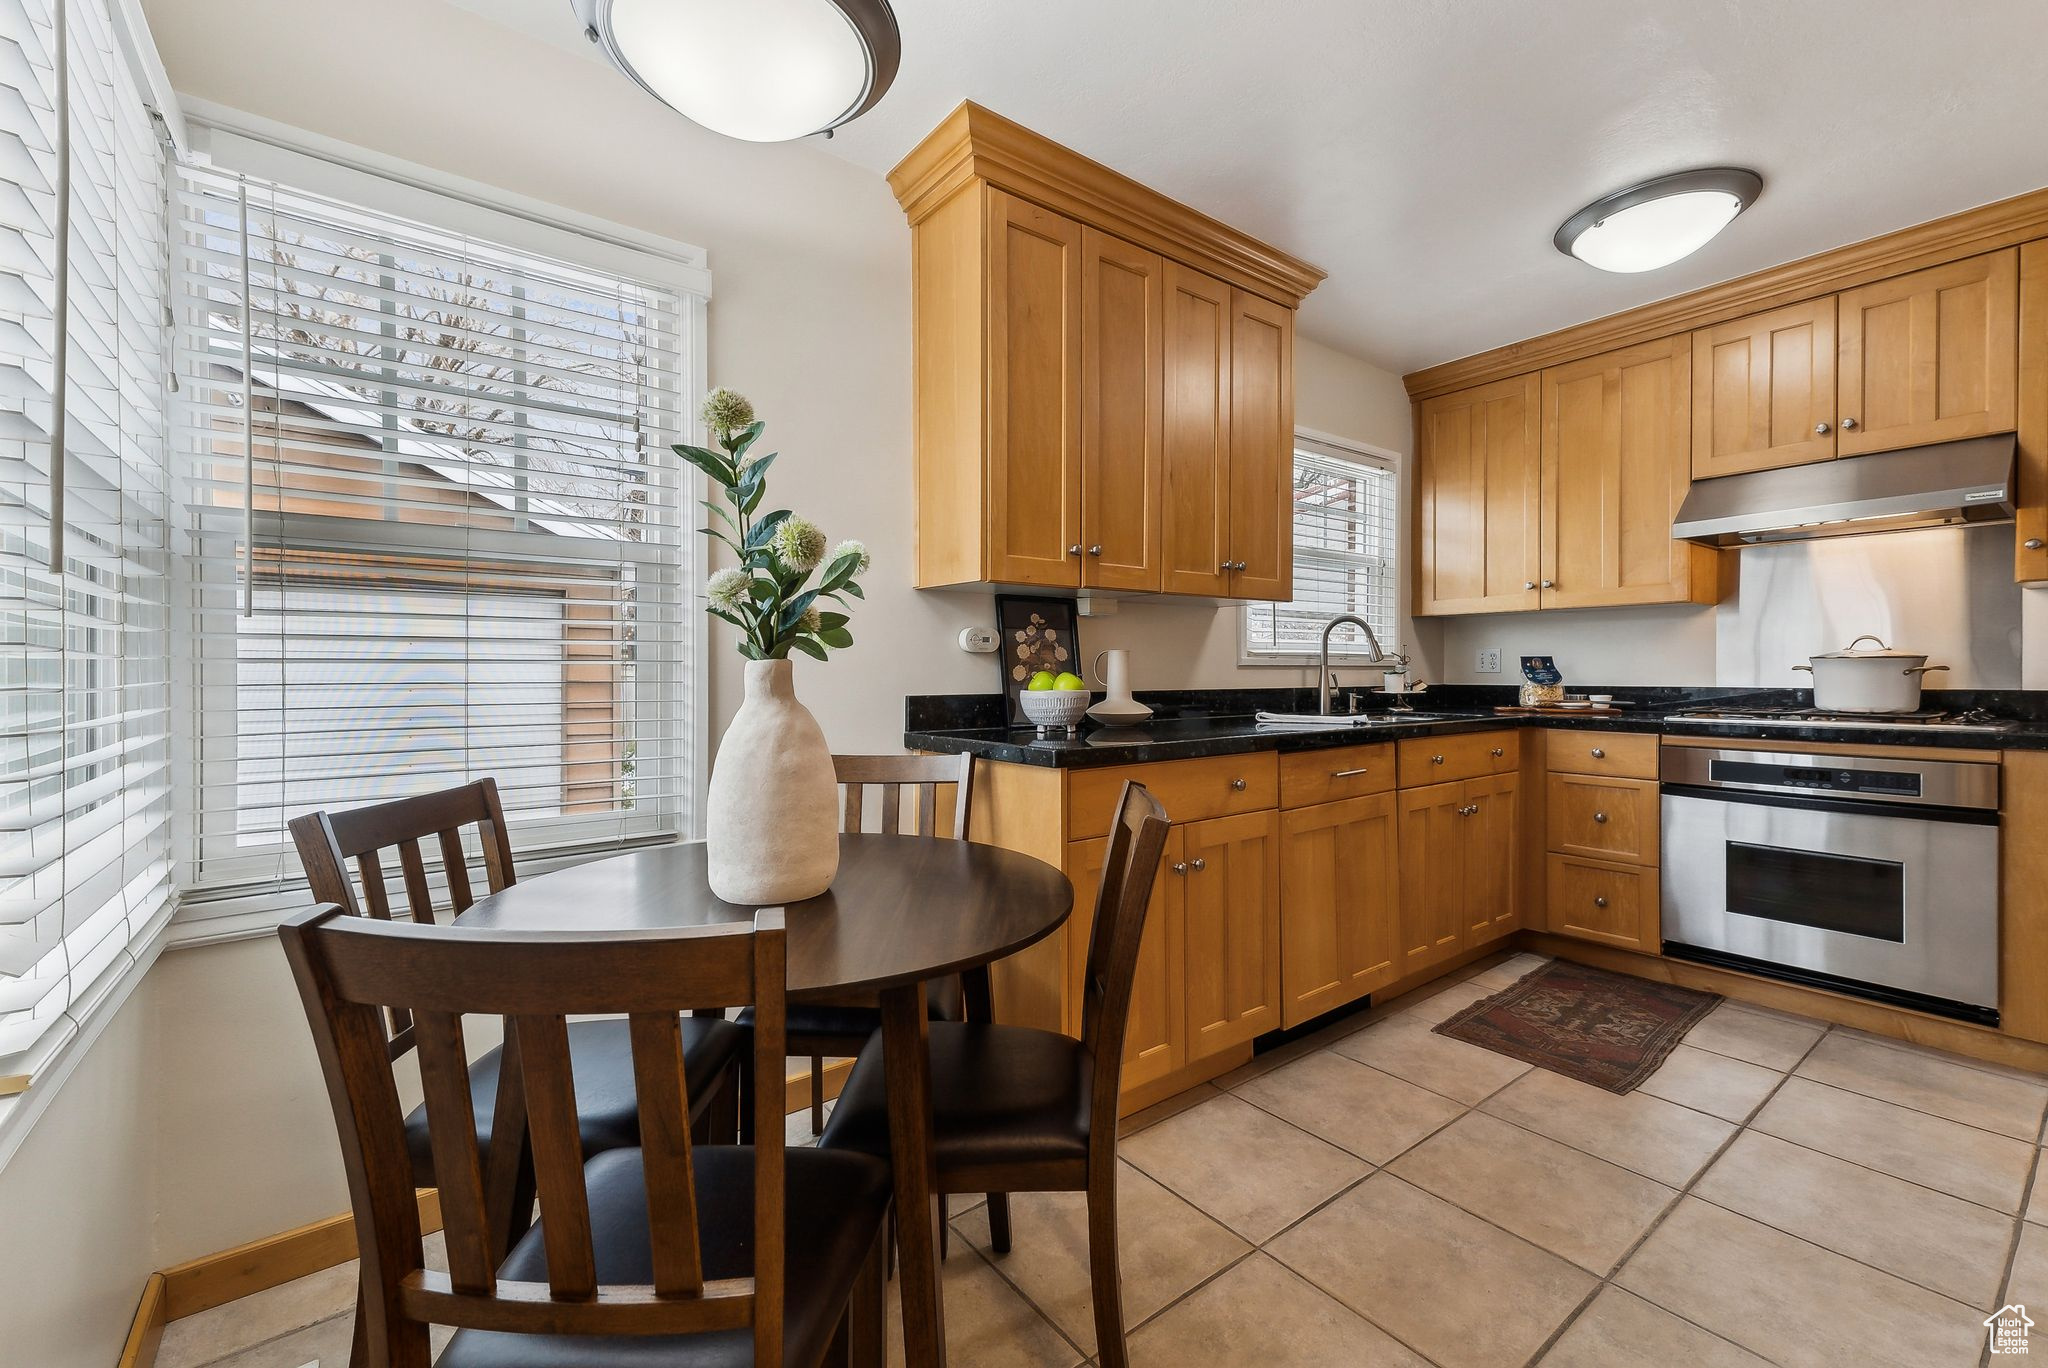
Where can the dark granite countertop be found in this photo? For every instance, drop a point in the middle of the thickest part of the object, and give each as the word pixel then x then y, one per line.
pixel 1191 724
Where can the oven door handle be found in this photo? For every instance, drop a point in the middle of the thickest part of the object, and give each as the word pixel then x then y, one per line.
pixel 1916 812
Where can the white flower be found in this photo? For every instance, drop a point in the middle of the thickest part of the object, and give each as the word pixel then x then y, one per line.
pixel 799 543
pixel 858 548
pixel 726 411
pixel 727 589
pixel 811 620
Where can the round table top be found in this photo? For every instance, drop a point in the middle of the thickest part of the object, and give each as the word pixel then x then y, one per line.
pixel 901 909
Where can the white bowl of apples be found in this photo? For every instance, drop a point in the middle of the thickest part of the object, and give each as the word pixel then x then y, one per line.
pixel 1051 700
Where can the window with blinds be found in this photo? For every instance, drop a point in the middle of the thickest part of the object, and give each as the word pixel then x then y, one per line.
pixel 85 800
pixel 1345 556
pixel 436 526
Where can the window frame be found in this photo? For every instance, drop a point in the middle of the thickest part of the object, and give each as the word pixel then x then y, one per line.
pixel 1332 447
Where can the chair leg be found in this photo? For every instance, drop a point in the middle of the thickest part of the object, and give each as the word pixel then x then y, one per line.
pixel 359 1336
pixel 1105 1278
pixel 999 1222
pixel 868 1313
pixel 945 1225
pixel 817 1095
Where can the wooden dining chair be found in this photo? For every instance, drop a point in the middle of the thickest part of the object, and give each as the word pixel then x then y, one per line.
pixel 669 1252
pixel 1017 1109
pixel 819 1029
pixel 384 834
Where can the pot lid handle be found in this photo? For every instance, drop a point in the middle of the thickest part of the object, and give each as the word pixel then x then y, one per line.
pixel 1867 637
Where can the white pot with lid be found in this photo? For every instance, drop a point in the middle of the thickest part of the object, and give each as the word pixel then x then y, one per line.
pixel 1858 679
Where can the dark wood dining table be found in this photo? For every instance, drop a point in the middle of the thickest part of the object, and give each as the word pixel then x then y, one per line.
pixel 901 910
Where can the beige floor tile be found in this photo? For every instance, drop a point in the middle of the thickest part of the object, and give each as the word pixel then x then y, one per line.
pixel 1353 1106
pixel 1944 1243
pixel 224 1330
pixel 1407 1048
pixel 1159 1111
pixel 1461 1292
pixel 1772 1039
pixel 1451 1001
pixel 1261 1065
pixel 1929 1083
pixel 1510 971
pixel 1728 1088
pixel 325 1343
pixel 1165 1248
pixel 1655 1138
pixel 1967 1061
pixel 2029 1282
pixel 1247 1168
pixel 1793 1302
pixel 1990 1170
pixel 1550 1194
pixel 987 1323
pixel 1623 1331
pixel 2037 1196
pixel 1259 1313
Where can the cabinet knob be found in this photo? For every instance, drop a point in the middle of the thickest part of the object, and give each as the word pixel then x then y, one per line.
pixel 1237 786
pixel 1470 809
pixel 1528 584
pixel 1848 424
pixel 1244 565
pixel 1601 818
pixel 1436 759
pixel 1226 565
pixel 1821 429
pixel 1599 754
pixel 1095 550
pixel 1498 752
pixel 2034 543
pixel 1180 867
pixel 1550 584
pixel 1198 865
pixel 1599 902
pixel 1074 550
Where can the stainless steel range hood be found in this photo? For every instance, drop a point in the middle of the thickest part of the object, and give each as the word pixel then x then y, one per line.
pixel 1970 481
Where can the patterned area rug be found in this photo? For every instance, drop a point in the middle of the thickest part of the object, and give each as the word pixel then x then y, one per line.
pixel 1610 1030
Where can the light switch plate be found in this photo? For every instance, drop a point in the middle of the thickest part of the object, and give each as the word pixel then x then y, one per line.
pixel 1489 661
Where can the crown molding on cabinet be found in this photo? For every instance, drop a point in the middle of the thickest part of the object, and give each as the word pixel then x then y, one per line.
pixel 1986 228
pixel 973 143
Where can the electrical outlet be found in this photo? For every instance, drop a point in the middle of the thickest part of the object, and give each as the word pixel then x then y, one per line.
pixel 1489 661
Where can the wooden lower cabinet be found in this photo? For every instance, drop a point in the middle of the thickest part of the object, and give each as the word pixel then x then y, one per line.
pixel 1224 874
pixel 1155 1037
pixel 1340 936
pixel 1459 851
pixel 1615 904
pixel 1492 853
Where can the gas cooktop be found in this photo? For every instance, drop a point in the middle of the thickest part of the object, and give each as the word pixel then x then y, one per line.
pixel 1973 719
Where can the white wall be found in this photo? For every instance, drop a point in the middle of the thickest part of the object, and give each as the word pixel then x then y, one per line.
pixel 198 1121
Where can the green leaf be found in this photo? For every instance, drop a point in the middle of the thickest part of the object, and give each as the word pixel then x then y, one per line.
pixel 795 608
pixel 761 590
pixel 851 588
pixel 827 621
pixel 746 438
pixel 751 651
pixel 710 462
pixel 759 469
pixel 808 647
pixel 840 570
pixel 753 500
pixel 764 528
pixel 724 516
pixel 837 637
pixel 714 532
pixel 724 616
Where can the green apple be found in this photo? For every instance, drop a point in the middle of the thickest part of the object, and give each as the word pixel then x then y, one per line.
pixel 1070 681
pixel 1041 681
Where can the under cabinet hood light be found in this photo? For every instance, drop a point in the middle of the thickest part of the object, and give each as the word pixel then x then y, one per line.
pixel 1659 221
pixel 757 70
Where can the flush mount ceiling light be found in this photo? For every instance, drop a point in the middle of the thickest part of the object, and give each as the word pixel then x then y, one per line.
pixel 760 70
pixel 1659 221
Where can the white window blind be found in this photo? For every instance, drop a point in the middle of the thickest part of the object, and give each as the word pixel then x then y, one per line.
pixel 85 805
pixel 437 530
pixel 1345 556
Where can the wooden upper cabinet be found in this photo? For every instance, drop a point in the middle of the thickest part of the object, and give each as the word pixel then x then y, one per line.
pixel 1478 490
pixel 1763 390
pixel 2031 535
pixel 1196 505
pixel 1261 448
pixel 1929 357
pixel 1032 504
pixel 1617 442
pixel 1123 368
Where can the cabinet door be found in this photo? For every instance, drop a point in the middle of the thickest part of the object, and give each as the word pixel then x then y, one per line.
pixel 1261 448
pixel 1432 915
pixel 2031 534
pixel 1153 1041
pixel 1033 498
pixel 1610 903
pixel 1230 929
pixel 1931 356
pixel 1339 939
pixel 1617 443
pixel 1123 386
pixel 1478 487
pixel 1763 390
pixel 1492 850
pixel 1196 505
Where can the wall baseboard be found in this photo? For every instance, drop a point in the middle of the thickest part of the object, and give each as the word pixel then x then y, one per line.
pixel 146 1331
pixel 215 1279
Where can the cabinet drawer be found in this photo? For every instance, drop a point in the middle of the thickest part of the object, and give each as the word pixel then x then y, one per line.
pixel 1615 904
pixel 1468 755
pixel 1189 790
pixel 1606 819
pixel 1325 776
pixel 1624 755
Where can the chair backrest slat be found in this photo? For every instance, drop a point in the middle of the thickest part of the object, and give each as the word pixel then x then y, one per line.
pixel 419 897
pixel 349 968
pixel 659 1079
pixel 455 867
pixel 1137 843
pixel 924 775
pixel 557 1138
pixel 374 893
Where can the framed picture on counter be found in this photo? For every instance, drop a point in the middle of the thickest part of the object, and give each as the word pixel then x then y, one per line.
pixel 1037 634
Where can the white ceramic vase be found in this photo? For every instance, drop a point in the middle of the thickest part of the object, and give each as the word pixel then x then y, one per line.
pixel 772 830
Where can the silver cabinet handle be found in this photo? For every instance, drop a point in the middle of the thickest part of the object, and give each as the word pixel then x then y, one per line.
pixel 1244 565
pixel 1599 754
pixel 1237 786
pixel 1528 584
pixel 1599 902
pixel 1470 810
pixel 1074 550
pixel 1821 429
pixel 1095 550
pixel 2034 543
pixel 1227 565
pixel 1499 751
pixel 1180 867
pixel 1198 865
pixel 1436 759
pixel 1550 584
pixel 1349 774
pixel 1601 818
pixel 1848 425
